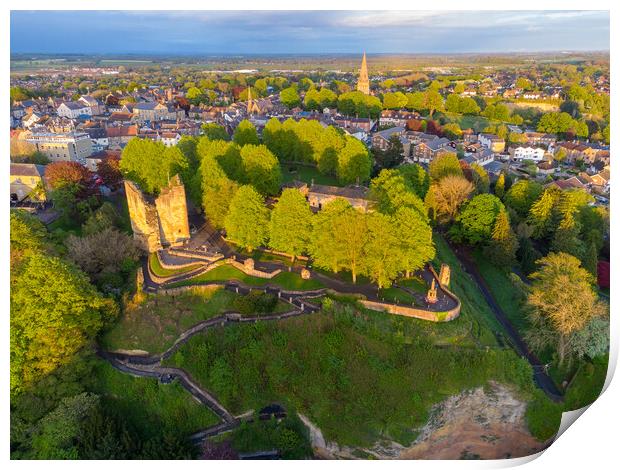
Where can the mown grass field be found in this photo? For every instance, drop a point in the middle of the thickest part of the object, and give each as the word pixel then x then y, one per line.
pixel 148 406
pixel 286 280
pixel 160 271
pixel 358 375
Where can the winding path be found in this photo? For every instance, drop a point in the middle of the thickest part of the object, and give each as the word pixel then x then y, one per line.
pixel 151 365
pixel 542 379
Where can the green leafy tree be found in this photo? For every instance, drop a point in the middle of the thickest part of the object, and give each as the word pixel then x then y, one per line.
pixel 381 259
pixel 476 221
pixel 480 179
pixel 245 134
pixel 214 131
pixel 444 165
pixel 354 163
pixel 151 164
pixel 433 101
pixel 500 186
pixel 290 98
pixel 561 302
pixel 247 222
pixel 324 246
pixel 55 312
pixel 522 195
pixel 58 433
pixel 291 223
pixel 502 247
pixel 416 177
pixel 541 215
pixel 414 237
pixel 396 100
pixel 261 169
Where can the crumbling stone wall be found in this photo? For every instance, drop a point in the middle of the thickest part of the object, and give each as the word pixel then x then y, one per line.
pixel 171 208
pixel 161 221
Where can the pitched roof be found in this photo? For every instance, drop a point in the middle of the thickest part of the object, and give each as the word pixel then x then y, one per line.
pixel 27 169
pixel 74 105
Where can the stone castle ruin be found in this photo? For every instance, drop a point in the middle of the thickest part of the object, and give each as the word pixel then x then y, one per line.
pixel 161 221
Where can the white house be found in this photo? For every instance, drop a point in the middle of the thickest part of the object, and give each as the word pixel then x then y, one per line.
pixel 74 109
pixel 528 153
pixel 170 139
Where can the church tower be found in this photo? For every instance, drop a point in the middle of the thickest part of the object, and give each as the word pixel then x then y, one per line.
pixel 362 84
pixel 252 106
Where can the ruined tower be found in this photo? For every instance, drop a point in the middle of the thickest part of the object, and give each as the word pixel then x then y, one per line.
pixel 363 84
pixel 158 222
pixel 444 275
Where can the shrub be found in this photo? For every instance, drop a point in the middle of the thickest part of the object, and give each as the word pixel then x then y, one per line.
pixel 255 302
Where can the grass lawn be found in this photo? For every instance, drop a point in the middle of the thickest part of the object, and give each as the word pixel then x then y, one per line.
pixel 415 283
pixel 160 271
pixel 291 172
pixel 394 294
pixel 285 279
pixel 505 293
pixel 358 376
pixel 148 406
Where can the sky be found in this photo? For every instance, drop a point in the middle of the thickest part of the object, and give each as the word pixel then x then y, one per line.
pixel 306 32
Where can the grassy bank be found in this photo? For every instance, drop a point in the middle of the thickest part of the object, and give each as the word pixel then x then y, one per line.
pixel 156 323
pixel 474 308
pixel 151 408
pixel 359 376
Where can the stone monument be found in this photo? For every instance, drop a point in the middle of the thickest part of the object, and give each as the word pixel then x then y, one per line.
pixel 431 296
pixel 444 275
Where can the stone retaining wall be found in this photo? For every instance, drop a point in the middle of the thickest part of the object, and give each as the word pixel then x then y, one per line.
pixel 195 254
pixel 253 271
pixel 423 314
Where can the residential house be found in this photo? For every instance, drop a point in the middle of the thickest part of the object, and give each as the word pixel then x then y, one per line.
pixel 74 109
pixel 27 181
pixel 381 139
pixel 527 152
pixel 99 137
pixel 70 146
pixel 152 111
pixel 427 151
pixel 170 139
pixel 492 142
pixel 119 136
pixel 96 106
pixel 538 138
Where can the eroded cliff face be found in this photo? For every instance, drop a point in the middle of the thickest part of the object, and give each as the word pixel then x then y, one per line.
pixel 475 424
pixel 161 221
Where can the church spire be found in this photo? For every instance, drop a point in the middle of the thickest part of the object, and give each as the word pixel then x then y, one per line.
pixel 363 84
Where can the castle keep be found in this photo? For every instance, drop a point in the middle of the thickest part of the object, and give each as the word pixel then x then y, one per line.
pixel 161 221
